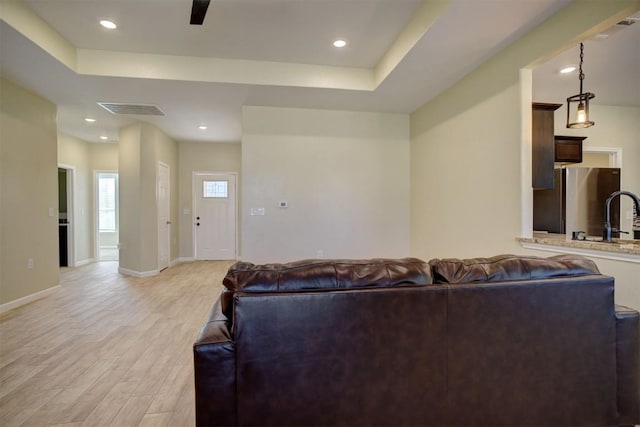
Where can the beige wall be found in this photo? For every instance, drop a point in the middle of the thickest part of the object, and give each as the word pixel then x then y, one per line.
pixel 129 155
pixel 104 157
pixel 77 154
pixel 465 179
pixel 200 157
pixel 28 191
pixel 86 158
pixel 470 158
pixel 141 147
pixel 344 175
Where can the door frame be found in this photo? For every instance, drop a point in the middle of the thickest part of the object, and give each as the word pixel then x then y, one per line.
pixel 165 165
pixel 194 195
pixel 615 154
pixel 96 211
pixel 71 241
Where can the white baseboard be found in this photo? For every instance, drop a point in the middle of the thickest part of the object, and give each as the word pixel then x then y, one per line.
pixel 137 273
pixel 26 300
pixel 182 259
pixel 84 262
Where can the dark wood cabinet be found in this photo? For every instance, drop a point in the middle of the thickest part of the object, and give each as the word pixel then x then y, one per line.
pixel 543 145
pixel 568 149
pixel 549 206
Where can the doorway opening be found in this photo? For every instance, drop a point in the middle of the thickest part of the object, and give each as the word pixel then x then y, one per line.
pixel 65 216
pixel 107 236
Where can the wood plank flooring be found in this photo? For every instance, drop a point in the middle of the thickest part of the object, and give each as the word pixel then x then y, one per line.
pixel 107 349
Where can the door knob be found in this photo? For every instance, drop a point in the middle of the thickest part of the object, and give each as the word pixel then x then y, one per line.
pixel 198 218
pixel 198 224
pixel 168 222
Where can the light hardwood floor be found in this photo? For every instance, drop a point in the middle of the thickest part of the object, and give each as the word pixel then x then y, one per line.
pixel 107 349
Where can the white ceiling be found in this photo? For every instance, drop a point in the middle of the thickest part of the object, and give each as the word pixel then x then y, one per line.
pixel 401 53
pixel 611 69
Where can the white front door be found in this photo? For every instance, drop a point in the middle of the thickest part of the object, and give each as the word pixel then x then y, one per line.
pixel 214 216
pixel 164 223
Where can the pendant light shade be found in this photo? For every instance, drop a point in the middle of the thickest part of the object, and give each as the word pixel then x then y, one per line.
pixel 578 105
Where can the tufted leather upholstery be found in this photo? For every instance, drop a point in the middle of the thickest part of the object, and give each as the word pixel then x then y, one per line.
pixel 511 341
pixel 307 275
pixel 327 274
pixel 510 267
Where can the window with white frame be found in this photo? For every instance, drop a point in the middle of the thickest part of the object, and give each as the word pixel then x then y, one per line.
pixel 107 202
pixel 215 189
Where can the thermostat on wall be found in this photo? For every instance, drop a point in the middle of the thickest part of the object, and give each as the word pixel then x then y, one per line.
pixel 283 204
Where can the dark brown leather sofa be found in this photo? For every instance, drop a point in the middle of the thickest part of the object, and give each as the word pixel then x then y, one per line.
pixel 503 341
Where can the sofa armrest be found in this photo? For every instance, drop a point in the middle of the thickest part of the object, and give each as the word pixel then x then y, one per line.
pixel 215 372
pixel 628 365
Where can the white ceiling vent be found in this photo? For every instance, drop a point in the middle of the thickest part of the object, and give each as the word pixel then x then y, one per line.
pixel 131 109
pixel 621 25
pixel 627 22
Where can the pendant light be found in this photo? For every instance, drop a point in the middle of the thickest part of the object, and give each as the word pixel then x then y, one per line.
pixel 578 105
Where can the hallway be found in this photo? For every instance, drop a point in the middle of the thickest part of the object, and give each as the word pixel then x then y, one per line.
pixel 107 349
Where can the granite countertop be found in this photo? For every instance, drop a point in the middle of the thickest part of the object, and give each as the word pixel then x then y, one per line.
pixel 631 247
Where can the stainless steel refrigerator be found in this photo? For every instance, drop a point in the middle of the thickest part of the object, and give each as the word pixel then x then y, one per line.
pixel 576 202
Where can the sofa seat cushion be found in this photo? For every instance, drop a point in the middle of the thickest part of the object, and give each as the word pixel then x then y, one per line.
pixel 510 267
pixel 327 274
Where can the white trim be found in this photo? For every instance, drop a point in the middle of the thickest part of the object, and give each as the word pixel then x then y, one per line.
pixel 193 208
pixel 134 273
pixel 96 211
pixel 26 300
pixel 615 154
pixel 526 144
pixel 591 253
pixel 85 262
pixel 158 166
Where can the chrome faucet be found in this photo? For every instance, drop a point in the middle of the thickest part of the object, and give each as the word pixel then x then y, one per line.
pixel 606 233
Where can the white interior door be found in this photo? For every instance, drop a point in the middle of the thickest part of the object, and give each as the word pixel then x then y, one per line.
pixel 214 216
pixel 164 223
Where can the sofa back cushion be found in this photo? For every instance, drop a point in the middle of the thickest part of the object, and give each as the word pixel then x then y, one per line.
pixel 327 274
pixel 360 357
pixel 310 275
pixel 510 267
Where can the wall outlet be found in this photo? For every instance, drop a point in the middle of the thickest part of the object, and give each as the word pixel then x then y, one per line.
pixel 319 253
pixel 283 204
pixel 30 263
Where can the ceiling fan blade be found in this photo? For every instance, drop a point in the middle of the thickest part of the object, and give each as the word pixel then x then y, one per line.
pixel 198 11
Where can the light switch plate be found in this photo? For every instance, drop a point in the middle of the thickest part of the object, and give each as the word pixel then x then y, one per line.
pixel 257 212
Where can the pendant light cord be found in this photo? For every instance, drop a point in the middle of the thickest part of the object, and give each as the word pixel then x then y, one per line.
pixel 581 73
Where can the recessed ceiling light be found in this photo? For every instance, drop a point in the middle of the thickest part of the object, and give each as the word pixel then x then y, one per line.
pixel 568 69
pixel 108 24
pixel 103 137
pixel 340 43
pixel 202 127
pixel 89 120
